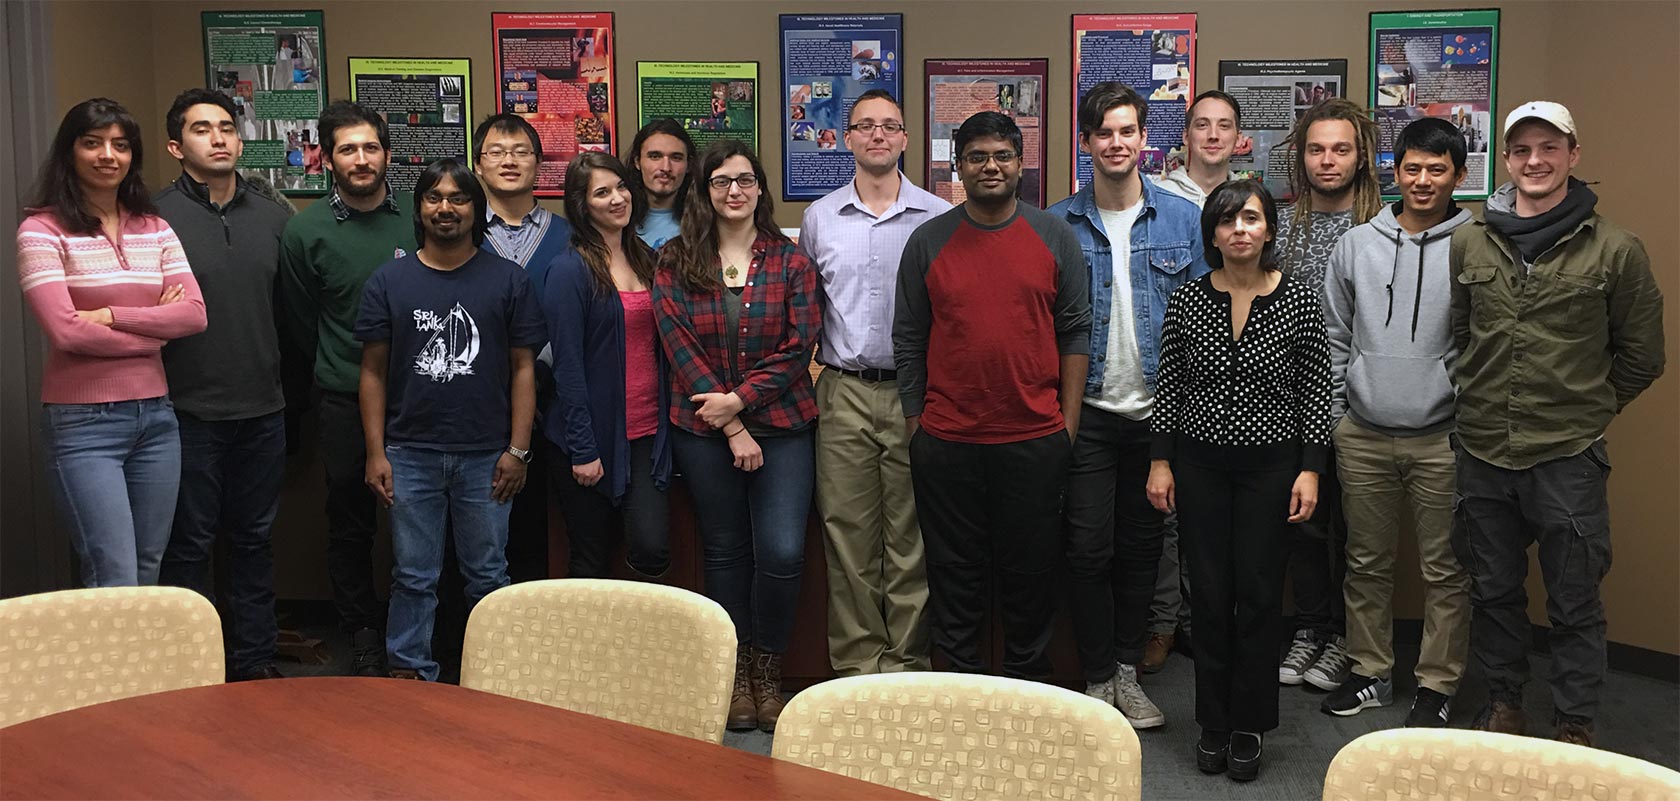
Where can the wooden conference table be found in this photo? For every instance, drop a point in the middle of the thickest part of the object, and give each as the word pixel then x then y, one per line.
pixel 379 738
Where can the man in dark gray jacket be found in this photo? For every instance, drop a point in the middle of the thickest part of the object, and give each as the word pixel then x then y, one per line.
pixel 225 382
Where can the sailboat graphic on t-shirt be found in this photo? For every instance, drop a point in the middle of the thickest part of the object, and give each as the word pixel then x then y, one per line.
pixel 453 347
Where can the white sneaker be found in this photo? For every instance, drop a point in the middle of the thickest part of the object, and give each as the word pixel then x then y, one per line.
pixel 1302 653
pixel 1101 690
pixel 1332 666
pixel 1130 699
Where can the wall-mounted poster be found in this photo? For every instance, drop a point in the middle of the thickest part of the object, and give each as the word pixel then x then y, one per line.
pixel 556 70
pixel 1272 96
pixel 828 60
pixel 427 102
pixel 1155 54
pixel 269 62
pixel 712 100
pixel 1436 64
pixel 960 88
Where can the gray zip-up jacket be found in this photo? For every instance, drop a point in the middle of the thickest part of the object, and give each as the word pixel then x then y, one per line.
pixel 1387 312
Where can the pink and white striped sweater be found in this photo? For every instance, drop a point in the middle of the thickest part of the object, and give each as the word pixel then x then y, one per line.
pixel 64 272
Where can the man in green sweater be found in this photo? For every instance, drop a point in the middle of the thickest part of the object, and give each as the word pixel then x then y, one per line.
pixel 327 252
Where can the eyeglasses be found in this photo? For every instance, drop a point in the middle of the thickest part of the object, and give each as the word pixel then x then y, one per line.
pixel 520 153
pixel 871 127
pixel 745 180
pixel 457 201
pixel 1004 158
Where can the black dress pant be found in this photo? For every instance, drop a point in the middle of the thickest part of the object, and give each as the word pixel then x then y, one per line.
pixel 593 523
pixel 351 516
pixel 1318 562
pixel 1233 527
pixel 984 508
pixel 1114 541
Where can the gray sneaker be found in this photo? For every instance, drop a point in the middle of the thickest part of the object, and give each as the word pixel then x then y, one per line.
pixel 1332 666
pixel 1302 652
pixel 1102 690
pixel 1131 701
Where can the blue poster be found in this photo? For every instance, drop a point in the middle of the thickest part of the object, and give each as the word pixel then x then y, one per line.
pixel 828 60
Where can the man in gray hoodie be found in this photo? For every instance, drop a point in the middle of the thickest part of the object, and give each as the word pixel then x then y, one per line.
pixel 1387 310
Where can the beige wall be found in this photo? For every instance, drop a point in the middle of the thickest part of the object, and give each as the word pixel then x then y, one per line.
pixel 1613 63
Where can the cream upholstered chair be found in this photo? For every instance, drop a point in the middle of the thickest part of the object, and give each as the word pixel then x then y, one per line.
pixel 1459 764
pixel 956 736
pixel 69 649
pixel 647 654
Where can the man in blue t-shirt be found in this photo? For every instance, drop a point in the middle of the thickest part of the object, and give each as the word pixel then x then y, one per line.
pixel 660 157
pixel 448 391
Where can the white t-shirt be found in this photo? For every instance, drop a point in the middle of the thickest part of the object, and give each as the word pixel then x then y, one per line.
pixel 1123 389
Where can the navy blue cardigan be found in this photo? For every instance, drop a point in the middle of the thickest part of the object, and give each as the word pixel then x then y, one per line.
pixel 586 418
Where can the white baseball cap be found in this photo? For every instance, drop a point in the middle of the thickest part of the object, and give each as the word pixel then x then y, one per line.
pixel 1546 110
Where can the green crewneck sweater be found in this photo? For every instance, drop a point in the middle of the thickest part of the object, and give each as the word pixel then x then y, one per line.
pixel 323 263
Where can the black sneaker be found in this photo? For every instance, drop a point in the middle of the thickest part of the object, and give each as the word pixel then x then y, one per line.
pixel 1430 709
pixel 261 673
pixel 1245 756
pixel 1211 751
pixel 367 653
pixel 1358 693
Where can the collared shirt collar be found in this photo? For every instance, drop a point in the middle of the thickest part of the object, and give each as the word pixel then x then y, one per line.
pixel 342 211
pixel 907 198
pixel 201 191
pixel 533 217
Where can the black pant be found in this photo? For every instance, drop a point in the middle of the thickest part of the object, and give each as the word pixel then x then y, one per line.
pixel 1113 541
pixel 1318 562
pixel 231 473
pixel 1233 526
pixel 1562 507
pixel 351 515
pixel 980 504
pixel 527 542
pixel 590 525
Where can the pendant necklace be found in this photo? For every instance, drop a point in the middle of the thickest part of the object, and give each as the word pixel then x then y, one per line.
pixel 731 272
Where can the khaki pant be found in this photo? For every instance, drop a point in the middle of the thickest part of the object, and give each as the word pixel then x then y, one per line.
pixel 877 576
pixel 1381 474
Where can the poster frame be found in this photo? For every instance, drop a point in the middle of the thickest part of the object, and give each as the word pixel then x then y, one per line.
pixel 1191 54
pixel 612 73
pixel 321 62
pixel 892 19
pixel 758 94
pixel 1407 19
pixel 1041 67
pixel 1300 63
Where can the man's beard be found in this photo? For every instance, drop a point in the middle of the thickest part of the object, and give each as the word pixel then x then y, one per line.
pixel 350 188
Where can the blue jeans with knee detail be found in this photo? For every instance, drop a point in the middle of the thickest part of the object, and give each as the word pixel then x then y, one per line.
pixel 114 469
pixel 433 489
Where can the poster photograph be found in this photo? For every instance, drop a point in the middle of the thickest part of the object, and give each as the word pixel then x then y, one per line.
pixel 1154 54
pixel 960 88
pixel 1272 96
pixel 828 61
pixel 426 102
pixel 556 71
pixel 712 100
pixel 1436 64
pixel 269 62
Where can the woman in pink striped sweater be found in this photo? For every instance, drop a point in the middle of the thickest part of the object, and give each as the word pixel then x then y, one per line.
pixel 109 284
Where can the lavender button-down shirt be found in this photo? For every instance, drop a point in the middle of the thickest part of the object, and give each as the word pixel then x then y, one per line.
pixel 856 254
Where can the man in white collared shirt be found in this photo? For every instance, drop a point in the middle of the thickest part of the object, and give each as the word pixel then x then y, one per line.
pixel 855 236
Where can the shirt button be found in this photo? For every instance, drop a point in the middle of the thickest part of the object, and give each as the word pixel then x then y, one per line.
pixel 1108 283
pixel 746 305
pixel 749 283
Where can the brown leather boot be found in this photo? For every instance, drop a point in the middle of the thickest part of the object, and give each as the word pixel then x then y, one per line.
pixel 1502 715
pixel 1155 652
pixel 1572 729
pixel 743 710
pixel 767 689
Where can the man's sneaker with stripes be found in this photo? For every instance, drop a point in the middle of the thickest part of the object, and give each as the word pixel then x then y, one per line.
pixel 1430 709
pixel 1358 693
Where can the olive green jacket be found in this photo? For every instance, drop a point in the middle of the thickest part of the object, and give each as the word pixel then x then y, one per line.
pixel 1547 359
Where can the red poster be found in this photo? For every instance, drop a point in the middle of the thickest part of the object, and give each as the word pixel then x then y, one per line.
pixel 556 70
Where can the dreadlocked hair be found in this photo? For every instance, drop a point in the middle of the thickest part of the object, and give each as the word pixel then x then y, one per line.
pixel 1367 194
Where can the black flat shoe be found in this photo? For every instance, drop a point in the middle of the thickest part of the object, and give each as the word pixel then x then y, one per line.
pixel 1244 756
pixel 1212 751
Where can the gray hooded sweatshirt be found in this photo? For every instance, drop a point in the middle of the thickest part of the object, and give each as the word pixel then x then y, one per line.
pixel 1387 307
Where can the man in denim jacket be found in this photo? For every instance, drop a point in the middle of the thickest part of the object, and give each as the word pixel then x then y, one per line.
pixel 1147 241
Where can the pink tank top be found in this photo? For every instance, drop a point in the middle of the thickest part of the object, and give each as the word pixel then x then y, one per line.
pixel 641 369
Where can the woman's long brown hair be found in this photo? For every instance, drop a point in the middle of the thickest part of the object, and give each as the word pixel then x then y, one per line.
pixel 587 239
pixel 694 254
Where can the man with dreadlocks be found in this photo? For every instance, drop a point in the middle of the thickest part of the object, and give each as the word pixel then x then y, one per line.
pixel 1333 177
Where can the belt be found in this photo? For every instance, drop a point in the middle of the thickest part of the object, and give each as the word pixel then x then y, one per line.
pixel 869 374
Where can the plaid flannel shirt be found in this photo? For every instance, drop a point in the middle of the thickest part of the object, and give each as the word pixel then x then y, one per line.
pixel 781 316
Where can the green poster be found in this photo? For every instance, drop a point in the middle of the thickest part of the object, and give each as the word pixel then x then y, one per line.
pixel 427 102
pixel 711 99
pixel 269 62
pixel 1441 64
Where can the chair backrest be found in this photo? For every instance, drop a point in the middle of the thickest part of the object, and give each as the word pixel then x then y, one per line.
pixel 1454 763
pixel 69 649
pixel 955 736
pixel 647 654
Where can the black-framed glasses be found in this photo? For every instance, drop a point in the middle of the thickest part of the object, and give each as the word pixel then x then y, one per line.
pixel 457 200
pixel 1004 158
pixel 745 180
pixel 871 127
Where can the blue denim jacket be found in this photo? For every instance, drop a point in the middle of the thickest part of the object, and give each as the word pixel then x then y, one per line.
pixel 1167 237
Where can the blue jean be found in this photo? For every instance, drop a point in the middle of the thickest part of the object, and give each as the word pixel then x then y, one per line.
pixel 752 529
pixel 114 469
pixel 434 491
pixel 231 474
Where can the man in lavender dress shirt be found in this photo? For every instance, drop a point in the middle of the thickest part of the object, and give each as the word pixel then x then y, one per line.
pixel 876 577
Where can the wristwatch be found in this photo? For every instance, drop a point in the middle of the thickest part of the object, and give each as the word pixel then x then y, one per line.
pixel 521 455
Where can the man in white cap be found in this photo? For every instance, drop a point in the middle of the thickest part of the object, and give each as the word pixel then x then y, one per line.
pixel 1558 323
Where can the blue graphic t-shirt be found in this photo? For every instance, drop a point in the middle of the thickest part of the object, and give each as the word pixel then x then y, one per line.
pixel 448 387
pixel 660 226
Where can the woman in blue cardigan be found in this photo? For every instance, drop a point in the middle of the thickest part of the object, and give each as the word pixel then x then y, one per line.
pixel 609 418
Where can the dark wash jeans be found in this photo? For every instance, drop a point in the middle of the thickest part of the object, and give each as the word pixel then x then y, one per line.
pixel 752 528
pixel 1318 562
pixel 351 520
pixel 592 520
pixel 231 475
